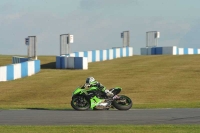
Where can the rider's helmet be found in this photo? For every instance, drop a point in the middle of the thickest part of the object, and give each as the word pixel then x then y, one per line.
pixel 89 80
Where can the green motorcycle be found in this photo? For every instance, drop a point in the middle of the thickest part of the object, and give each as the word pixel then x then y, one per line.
pixel 93 98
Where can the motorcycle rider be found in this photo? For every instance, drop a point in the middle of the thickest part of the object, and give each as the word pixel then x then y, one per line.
pixel 91 82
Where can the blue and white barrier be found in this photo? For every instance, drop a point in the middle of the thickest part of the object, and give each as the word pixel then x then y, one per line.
pixel 171 50
pixel 80 60
pixel 65 62
pixel 183 51
pixel 102 55
pixel 19 70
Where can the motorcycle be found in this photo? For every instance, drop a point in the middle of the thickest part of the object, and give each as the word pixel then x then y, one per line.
pixel 94 99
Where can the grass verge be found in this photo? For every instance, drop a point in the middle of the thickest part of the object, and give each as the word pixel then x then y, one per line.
pixel 103 129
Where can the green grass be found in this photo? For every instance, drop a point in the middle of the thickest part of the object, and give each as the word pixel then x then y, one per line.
pixel 102 129
pixel 163 81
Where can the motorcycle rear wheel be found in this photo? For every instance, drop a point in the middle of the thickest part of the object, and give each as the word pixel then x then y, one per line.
pixel 80 103
pixel 123 103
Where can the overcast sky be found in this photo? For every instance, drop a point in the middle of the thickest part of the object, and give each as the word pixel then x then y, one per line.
pixel 96 24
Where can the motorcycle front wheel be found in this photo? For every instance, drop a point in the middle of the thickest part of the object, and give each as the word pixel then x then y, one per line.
pixel 122 103
pixel 80 103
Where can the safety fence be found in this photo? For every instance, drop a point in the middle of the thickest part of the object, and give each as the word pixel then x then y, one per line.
pixel 19 70
pixel 171 50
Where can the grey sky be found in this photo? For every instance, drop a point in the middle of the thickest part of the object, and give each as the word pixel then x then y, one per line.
pixel 96 24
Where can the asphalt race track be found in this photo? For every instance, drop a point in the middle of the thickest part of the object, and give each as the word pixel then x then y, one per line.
pixel 72 117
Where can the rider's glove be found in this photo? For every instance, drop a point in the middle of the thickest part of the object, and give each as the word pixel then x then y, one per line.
pixel 109 93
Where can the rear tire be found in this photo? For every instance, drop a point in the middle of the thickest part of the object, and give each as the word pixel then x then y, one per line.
pixel 80 103
pixel 123 103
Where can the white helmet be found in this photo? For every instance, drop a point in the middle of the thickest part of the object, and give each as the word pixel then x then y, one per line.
pixel 89 80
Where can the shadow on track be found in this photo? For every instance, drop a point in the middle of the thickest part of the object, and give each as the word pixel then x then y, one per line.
pixel 68 109
pixel 50 109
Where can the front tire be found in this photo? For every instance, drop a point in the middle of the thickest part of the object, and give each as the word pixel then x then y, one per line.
pixel 80 103
pixel 122 103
